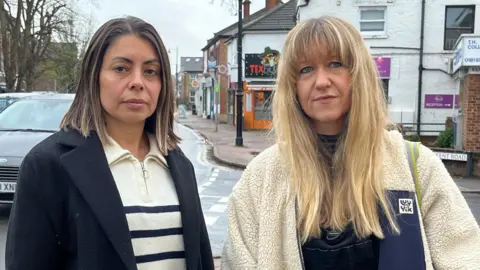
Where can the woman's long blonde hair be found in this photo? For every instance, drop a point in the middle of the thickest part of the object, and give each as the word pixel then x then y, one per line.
pixel 358 187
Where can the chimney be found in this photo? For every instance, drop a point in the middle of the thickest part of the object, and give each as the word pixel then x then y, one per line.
pixel 269 4
pixel 246 8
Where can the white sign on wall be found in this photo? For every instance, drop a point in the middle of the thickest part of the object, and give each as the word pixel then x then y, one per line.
pixel 467 53
pixel 452 156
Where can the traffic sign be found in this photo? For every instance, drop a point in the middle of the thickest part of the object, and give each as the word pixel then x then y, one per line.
pixel 195 84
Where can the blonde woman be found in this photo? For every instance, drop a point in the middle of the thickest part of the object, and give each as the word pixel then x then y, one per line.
pixel 330 193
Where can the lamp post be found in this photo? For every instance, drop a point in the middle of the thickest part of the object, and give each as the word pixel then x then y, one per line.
pixel 239 94
pixel 176 70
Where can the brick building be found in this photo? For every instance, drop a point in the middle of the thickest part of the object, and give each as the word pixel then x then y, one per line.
pixel 471 105
pixel 217 47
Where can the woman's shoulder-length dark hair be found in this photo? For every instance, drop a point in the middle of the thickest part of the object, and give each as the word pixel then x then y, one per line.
pixel 86 113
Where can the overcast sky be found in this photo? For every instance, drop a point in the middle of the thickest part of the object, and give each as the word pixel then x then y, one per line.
pixel 183 23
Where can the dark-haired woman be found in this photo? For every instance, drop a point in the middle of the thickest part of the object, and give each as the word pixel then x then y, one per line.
pixel 112 190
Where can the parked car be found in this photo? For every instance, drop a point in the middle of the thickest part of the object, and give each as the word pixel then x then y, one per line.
pixel 6 99
pixel 23 125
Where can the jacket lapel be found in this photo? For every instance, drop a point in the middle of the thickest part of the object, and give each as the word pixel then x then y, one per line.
pixel 87 166
pixel 394 249
pixel 183 176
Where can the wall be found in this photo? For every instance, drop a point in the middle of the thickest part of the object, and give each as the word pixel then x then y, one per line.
pixel 471 137
pixel 401 42
pixel 219 51
pixel 253 43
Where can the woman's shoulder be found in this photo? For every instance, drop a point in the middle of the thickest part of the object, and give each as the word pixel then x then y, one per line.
pixel 49 151
pixel 265 167
pixel 269 157
pixel 397 145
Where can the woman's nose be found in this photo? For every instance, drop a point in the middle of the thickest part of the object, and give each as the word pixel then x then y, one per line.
pixel 322 79
pixel 137 80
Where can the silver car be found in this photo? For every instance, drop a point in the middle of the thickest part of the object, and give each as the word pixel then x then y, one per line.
pixel 24 124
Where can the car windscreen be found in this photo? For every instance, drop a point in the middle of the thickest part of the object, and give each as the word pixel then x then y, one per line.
pixel 5 102
pixel 34 114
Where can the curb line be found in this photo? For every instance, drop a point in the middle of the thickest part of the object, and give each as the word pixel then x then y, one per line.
pixel 470 191
pixel 214 153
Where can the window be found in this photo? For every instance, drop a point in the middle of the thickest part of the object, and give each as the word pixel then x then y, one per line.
pixel 458 20
pixel 385 88
pixel 42 114
pixel 372 21
pixel 263 103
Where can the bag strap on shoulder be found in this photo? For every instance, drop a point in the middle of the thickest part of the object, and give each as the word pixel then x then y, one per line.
pixel 413 152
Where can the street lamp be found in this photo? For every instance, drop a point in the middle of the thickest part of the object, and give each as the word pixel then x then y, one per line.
pixel 239 138
pixel 176 70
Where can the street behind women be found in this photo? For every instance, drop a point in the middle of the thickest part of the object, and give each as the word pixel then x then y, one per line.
pixel 336 191
pixel 112 189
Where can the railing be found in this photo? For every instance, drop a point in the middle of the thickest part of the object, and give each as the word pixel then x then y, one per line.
pixel 426 129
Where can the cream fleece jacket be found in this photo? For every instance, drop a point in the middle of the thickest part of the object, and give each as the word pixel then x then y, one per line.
pixel 262 230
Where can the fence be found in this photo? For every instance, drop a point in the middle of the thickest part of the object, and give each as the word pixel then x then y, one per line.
pixel 426 129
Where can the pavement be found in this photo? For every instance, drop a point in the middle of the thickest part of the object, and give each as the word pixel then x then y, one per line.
pixel 222 139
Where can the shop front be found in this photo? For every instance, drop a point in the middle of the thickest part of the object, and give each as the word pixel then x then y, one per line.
pixel 260 74
pixel 258 105
pixel 466 70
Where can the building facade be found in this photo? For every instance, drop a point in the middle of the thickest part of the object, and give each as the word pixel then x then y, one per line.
pixel 413 51
pixel 262 43
pixel 216 54
pixel 191 70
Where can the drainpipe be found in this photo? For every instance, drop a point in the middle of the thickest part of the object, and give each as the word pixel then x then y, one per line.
pixel 295 16
pixel 420 68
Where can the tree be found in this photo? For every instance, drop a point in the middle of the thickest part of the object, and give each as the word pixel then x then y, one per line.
pixel 28 28
pixel 62 66
pixel 232 5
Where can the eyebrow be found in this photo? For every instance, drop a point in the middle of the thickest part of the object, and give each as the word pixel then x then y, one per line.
pixel 124 59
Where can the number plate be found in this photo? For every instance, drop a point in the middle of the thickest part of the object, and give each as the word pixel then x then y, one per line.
pixel 7 187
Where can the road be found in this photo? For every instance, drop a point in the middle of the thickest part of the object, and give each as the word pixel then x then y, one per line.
pixel 215 184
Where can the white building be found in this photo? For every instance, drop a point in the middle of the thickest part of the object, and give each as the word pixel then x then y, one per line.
pixel 262 41
pixel 392 29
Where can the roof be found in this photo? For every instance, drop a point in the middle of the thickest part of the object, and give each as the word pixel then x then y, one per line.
pixel 230 30
pixel 280 17
pixel 191 64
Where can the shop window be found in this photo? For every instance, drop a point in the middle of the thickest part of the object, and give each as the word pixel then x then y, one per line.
pixel 263 105
pixel 458 20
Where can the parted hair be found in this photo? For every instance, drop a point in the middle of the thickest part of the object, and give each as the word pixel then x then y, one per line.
pixel 86 113
pixel 355 189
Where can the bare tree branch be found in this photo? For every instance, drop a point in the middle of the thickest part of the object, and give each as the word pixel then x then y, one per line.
pixel 29 29
pixel 232 5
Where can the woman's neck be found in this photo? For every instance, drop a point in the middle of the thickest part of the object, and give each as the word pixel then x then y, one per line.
pixel 130 137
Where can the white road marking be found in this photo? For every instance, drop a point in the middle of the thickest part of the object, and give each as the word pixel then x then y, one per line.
pixel 218 208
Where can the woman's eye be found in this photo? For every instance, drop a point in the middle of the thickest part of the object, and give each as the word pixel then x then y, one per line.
pixel 306 69
pixel 335 64
pixel 120 69
pixel 151 72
